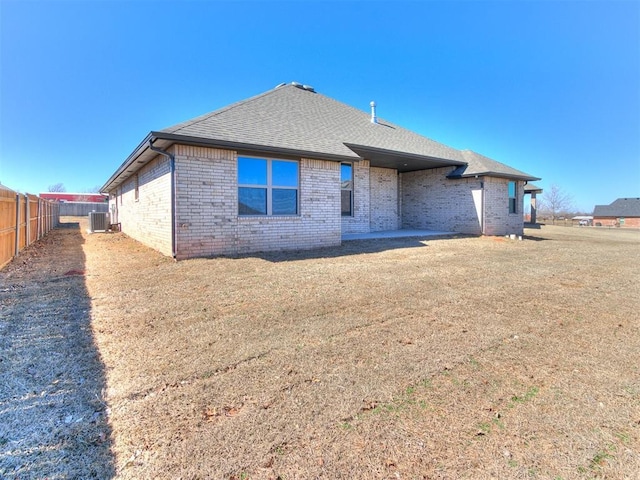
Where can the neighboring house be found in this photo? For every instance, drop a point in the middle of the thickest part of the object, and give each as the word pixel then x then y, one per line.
pixel 294 169
pixel 624 212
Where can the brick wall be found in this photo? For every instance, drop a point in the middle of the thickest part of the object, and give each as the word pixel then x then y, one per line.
pixel 433 202
pixel 384 199
pixel 498 220
pixel 207 212
pixel 360 221
pixel 147 219
pixel 207 221
pixel 629 222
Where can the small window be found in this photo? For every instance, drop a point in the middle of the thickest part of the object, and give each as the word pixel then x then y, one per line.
pixel 137 189
pixel 346 186
pixel 267 187
pixel 512 198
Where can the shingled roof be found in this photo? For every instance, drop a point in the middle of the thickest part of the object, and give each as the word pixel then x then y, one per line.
pixel 622 207
pixel 299 120
pixel 294 120
pixel 477 165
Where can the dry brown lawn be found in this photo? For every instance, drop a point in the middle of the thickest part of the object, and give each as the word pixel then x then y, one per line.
pixel 406 358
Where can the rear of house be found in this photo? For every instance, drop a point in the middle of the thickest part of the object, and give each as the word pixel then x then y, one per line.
pixel 623 212
pixel 293 169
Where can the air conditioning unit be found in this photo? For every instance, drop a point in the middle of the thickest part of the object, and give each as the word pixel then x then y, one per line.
pixel 98 222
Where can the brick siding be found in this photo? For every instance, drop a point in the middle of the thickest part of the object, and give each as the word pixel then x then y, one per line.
pixel 498 220
pixel 207 221
pixel 359 222
pixel 629 222
pixel 384 199
pixel 207 212
pixel 432 201
pixel 147 219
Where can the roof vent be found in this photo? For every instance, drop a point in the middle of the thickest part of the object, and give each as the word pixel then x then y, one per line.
pixel 296 84
pixel 280 85
pixel 374 119
pixel 308 88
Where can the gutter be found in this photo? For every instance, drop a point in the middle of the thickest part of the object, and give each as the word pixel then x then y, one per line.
pixel 250 147
pixel 172 169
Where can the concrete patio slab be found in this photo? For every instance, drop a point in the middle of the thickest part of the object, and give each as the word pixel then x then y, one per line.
pixel 394 234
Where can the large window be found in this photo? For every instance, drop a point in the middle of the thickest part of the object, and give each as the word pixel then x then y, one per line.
pixel 267 187
pixel 346 185
pixel 512 198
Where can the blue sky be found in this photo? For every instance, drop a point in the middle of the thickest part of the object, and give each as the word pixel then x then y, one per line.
pixel 549 87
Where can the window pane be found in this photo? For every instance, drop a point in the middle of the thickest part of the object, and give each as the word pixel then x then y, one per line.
pixel 512 205
pixel 346 203
pixel 284 202
pixel 512 189
pixel 252 171
pixel 346 176
pixel 252 201
pixel 284 174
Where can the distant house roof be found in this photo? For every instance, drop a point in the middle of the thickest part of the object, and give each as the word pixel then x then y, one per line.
pixel 477 165
pixel 293 119
pixel 622 207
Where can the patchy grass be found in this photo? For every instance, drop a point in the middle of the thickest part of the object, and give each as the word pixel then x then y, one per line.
pixel 444 358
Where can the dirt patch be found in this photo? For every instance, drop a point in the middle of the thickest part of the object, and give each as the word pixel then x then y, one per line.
pixel 400 358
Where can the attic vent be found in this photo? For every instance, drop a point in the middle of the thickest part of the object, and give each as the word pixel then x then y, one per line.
pixel 308 88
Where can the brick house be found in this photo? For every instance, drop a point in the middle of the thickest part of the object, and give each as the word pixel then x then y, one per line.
pixel 294 169
pixel 624 212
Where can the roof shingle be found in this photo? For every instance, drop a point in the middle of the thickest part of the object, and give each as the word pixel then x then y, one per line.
pixel 477 165
pixel 293 118
pixel 622 207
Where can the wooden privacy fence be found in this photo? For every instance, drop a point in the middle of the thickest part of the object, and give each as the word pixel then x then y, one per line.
pixel 24 219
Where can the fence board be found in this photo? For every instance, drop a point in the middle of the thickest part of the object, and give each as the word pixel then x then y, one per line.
pixel 7 225
pixel 82 209
pixel 24 219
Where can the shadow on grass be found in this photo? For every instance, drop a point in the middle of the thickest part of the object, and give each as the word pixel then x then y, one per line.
pixel 53 420
pixel 350 247
pixel 535 239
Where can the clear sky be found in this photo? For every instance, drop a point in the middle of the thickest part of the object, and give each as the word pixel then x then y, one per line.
pixel 548 87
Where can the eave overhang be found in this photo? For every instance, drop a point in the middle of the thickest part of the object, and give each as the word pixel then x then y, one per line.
pixel 526 178
pixel 400 161
pixel 142 154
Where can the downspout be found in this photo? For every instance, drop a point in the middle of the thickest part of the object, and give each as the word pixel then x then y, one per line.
pixel 172 169
pixel 483 218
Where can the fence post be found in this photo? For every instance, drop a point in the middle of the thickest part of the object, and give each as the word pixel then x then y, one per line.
pixel 27 230
pixel 17 249
pixel 38 215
